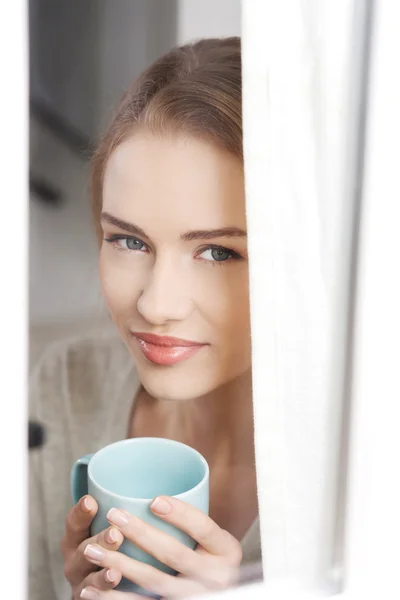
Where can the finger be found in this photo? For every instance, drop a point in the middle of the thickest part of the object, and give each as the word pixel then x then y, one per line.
pixel 106 579
pixel 145 576
pixel 91 593
pixel 159 544
pixel 78 522
pixel 199 526
pixel 77 567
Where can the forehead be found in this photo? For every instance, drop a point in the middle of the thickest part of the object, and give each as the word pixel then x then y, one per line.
pixel 177 180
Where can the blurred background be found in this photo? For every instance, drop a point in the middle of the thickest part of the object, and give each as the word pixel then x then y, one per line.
pixel 82 57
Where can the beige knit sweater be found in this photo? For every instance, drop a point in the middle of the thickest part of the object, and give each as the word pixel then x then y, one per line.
pixel 81 390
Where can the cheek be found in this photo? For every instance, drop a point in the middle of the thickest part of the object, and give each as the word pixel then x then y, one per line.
pixel 226 304
pixel 120 287
pixel 236 355
pixel 231 317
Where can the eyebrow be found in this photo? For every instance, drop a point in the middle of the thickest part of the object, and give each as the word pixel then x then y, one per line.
pixel 130 227
pixel 201 234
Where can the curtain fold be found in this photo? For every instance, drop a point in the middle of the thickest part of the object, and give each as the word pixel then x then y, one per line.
pixel 296 57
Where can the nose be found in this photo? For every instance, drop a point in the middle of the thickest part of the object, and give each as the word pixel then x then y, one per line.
pixel 166 295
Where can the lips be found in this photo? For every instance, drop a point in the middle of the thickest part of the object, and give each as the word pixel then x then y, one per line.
pixel 165 350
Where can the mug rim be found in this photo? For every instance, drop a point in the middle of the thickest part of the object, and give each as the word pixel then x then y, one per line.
pixel 167 441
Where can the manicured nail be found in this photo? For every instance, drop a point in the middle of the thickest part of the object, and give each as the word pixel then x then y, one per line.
pixel 87 504
pixel 94 553
pixel 117 517
pixel 89 594
pixel 161 506
pixel 112 536
pixel 111 576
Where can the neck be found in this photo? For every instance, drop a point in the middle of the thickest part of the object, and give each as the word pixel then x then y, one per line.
pixel 219 424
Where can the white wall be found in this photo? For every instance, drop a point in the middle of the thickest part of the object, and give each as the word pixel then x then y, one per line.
pixel 63 259
pixel 208 18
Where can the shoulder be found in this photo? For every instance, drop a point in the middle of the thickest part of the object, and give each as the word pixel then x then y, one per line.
pixel 87 349
pixel 79 369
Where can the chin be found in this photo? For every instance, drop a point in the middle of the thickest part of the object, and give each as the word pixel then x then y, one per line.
pixel 166 384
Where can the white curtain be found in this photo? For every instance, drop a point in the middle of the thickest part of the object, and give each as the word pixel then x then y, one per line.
pixel 297 69
pixel 372 545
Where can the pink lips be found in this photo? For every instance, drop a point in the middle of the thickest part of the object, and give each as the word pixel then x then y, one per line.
pixel 165 350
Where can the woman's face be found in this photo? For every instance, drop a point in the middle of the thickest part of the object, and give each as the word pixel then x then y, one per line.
pixel 174 262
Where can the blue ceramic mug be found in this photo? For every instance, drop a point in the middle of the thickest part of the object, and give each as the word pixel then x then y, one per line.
pixel 129 474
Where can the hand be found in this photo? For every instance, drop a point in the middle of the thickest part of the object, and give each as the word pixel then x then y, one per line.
pixel 213 565
pixel 77 570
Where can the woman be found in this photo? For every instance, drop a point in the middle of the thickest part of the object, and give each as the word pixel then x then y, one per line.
pixel 169 209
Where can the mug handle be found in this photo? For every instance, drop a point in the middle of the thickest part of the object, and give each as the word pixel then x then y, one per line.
pixel 79 478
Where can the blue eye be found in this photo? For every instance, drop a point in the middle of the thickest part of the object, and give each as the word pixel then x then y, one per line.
pixel 218 254
pixel 126 243
pixel 133 244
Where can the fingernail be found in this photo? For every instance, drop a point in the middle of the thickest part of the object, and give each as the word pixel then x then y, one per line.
pixel 89 594
pixel 111 576
pixel 112 536
pixel 94 553
pixel 87 504
pixel 117 517
pixel 161 506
